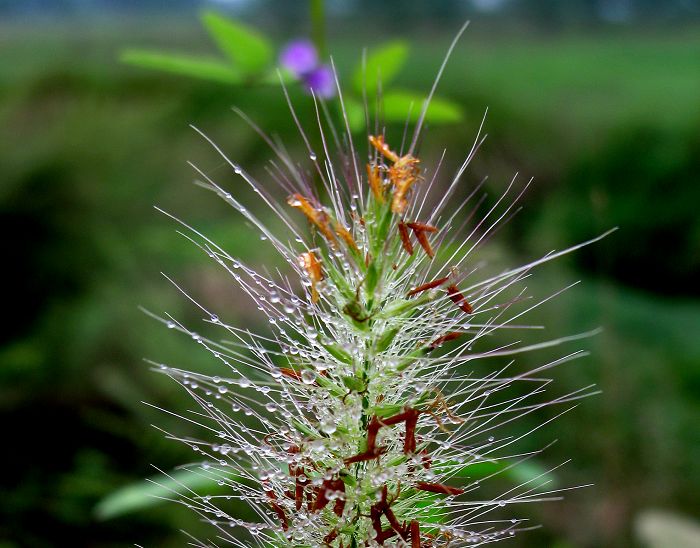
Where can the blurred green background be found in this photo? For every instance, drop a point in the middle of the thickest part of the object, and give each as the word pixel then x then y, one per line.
pixel 598 100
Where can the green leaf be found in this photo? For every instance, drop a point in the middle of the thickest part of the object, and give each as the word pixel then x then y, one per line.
pixel 382 65
pixel 518 473
pixel 186 65
pixel 145 494
pixel 400 105
pixel 250 51
pixel 355 113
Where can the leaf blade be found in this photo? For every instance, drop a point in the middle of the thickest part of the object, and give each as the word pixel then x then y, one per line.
pixel 249 50
pixel 148 493
pixel 381 66
pixel 205 68
pixel 400 105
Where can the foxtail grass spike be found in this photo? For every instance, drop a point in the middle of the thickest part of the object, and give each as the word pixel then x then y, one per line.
pixel 361 415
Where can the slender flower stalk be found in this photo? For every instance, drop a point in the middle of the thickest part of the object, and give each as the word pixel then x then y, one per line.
pixel 359 417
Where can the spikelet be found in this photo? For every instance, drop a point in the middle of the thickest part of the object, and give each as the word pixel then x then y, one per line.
pixel 360 417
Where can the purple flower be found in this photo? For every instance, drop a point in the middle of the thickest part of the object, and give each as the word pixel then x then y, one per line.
pixel 321 81
pixel 300 57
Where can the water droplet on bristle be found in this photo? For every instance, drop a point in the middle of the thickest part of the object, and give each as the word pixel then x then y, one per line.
pixel 328 426
pixel 308 376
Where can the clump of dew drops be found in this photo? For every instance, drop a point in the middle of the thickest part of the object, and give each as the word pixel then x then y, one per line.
pixel 357 418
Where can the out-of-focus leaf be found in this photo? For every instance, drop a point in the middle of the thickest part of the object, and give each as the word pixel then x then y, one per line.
pixel 355 113
pixel 382 65
pixel 276 77
pixel 250 51
pixel 518 473
pixel 185 65
pixel 144 494
pixel 402 105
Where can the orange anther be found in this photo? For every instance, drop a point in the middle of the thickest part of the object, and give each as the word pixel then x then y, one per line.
pixel 375 183
pixel 312 266
pixel 316 216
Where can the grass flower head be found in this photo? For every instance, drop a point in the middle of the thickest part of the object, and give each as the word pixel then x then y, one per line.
pixel 357 419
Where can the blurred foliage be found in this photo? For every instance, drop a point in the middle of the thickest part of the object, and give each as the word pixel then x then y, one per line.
pixel 250 58
pixel 607 125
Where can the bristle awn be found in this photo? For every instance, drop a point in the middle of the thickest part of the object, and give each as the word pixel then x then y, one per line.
pixel 384 372
pixel 426 103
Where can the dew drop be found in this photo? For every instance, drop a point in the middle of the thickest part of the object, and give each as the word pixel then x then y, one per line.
pixel 244 383
pixel 328 426
pixel 308 376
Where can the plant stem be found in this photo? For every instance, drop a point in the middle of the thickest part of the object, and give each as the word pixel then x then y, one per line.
pixel 318 25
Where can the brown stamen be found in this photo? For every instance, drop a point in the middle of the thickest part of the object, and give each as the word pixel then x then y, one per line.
pixel 322 500
pixel 410 417
pixel 445 338
pixel 421 230
pixel 422 227
pixel 330 537
pixel 456 297
pixel 414 532
pixel 299 489
pixel 290 373
pixel 405 238
pixel 429 285
pixel 275 505
pixel 439 488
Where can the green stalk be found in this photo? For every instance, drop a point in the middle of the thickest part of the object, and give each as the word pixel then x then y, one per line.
pixel 318 25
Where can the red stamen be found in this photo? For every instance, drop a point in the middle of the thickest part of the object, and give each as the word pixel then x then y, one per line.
pixel 415 534
pixel 424 243
pixel 409 442
pixel 426 459
pixel 445 338
pixel 421 227
pixel 291 373
pixel 330 537
pixel 405 238
pixel 429 285
pixel 275 506
pixel 439 488
pixel 299 489
pixel 456 297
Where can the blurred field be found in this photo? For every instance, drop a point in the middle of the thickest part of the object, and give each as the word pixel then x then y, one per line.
pixel 609 125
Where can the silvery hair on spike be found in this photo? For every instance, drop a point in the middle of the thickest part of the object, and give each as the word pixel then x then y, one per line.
pixel 361 416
